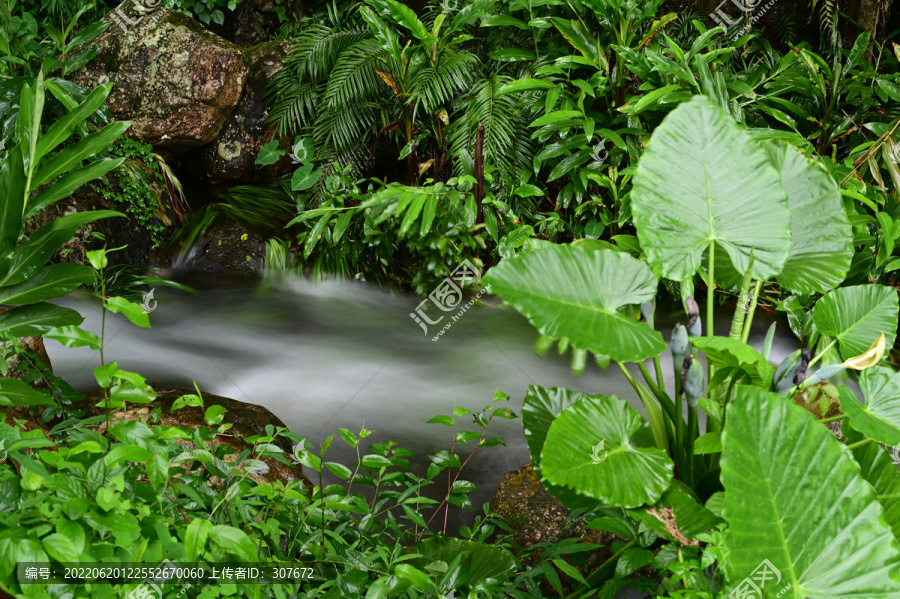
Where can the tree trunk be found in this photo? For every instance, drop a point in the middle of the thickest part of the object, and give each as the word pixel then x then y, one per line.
pixel 479 170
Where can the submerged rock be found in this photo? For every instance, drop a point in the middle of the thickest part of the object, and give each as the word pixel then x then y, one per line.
pixel 177 81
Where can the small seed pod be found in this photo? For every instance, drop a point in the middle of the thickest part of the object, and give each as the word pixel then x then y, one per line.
pixel 805 357
pixel 679 344
pixel 692 380
pixel 695 323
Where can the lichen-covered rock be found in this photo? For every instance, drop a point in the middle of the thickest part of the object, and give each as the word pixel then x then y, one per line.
pixel 537 517
pixel 232 156
pixel 177 81
pixel 247 420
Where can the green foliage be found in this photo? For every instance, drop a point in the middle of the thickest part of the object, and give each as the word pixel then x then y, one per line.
pixel 137 186
pixel 598 452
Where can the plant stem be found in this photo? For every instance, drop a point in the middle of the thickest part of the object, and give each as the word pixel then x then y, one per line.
pixel 859 443
pixel 689 445
pixel 740 311
pixel 746 334
pixel 601 573
pixel 822 353
pixel 659 375
pixel 664 400
pixel 832 419
pixel 710 294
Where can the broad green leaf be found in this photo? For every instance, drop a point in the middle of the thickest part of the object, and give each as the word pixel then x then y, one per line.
pixel 504 21
pixel 512 55
pixel 304 178
pixel 195 536
pixel 406 16
pixel 63 128
pixel 234 541
pixel 795 497
pixel 857 315
pixel 61 548
pixel 12 190
pixel 574 292
pixel 484 561
pixel 821 238
pixel 68 183
pixel 879 419
pixel 702 180
pixel 724 352
pixel 539 409
pixel 269 153
pixel 73 336
pixel 14 392
pixel 132 311
pixel 524 85
pixel 50 282
pixel 686 518
pixel 582 40
pixel 75 154
pixel 618 473
pixel 34 252
pixel 879 468
pixel 36 319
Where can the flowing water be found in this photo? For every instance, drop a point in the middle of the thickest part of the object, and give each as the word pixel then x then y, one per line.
pixel 323 356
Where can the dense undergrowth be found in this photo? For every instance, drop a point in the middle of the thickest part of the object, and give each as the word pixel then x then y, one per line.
pixel 590 155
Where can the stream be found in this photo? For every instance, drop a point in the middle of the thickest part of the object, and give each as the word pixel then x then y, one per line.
pixel 340 354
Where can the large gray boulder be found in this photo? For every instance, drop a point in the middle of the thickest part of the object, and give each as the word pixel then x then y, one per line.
pixel 177 81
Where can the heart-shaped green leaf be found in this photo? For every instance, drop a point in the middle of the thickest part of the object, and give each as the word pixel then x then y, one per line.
pixel 730 353
pixel 797 505
pixel 857 315
pixel 821 238
pixel 588 449
pixel 879 419
pixel 573 292
pixel 702 180
pixel 879 468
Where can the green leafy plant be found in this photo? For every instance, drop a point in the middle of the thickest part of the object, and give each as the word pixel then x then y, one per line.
pixel 704 201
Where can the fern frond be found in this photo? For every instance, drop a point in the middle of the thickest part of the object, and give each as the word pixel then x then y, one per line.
pixel 355 78
pixel 435 85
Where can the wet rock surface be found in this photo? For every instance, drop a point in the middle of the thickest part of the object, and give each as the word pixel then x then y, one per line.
pixel 231 157
pixel 228 249
pixel 177 81
pixel 537 517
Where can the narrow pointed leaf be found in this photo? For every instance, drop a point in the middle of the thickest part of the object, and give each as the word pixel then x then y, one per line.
pixel 50 282
pixel 36 319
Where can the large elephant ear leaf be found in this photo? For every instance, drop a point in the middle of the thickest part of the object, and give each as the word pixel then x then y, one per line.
pixel 879 419
pixel 541 407
pixel 573 292
pixel 821 237
pixel 589 449
pixel 879 468
pixel 797 506
pixel 857 315
pixel 702 180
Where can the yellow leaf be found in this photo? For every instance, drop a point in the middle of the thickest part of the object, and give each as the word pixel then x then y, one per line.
pixel 872 356
pixel 389 79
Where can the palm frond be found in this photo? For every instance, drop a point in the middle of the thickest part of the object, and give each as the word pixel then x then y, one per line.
pixel 507 139
pixel 435 85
